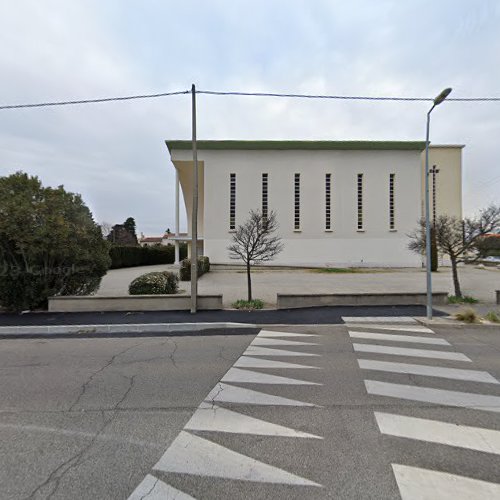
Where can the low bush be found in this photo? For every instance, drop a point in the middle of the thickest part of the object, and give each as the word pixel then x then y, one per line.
pixel 466 299
pixel 467 316
pixel 185 269
pixel 248 305
pixel 156 283
pixel 493 317
pixel 132 256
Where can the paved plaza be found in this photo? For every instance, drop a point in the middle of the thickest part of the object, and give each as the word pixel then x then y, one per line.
pixel 480 283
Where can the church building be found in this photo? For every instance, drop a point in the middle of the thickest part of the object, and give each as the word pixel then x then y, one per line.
pixel 338 203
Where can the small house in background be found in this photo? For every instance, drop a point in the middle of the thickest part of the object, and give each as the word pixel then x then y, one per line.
pixel 166 239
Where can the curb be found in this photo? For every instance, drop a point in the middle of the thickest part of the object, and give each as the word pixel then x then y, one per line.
pixel 102 330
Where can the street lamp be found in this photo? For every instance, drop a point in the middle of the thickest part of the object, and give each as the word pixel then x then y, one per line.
pixel 438 100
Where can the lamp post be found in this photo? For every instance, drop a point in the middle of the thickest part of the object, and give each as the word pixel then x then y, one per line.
pixel 438 100
pixel 434 171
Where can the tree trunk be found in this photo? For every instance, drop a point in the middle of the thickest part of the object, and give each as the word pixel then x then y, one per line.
pixel 249 282
pixel 456 283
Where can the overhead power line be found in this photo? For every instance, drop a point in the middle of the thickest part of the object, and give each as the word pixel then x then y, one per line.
pixel 343 97
pixel 91 101
pixel 245 94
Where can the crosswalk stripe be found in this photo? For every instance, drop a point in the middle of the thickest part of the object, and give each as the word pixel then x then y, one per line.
pixel 264 351
pixel 429 371
pixel 154 489
pixel 405 351
pixel 422 484
pixel 249 362
pixel 191 454
pixel 433 431
pixel 399 328
pixel 271 333
pixel 264 341
pixel 226 393
pixel 378 319
pixel 214 418
pixel 246 376
pixel 436 396
pixel 397 338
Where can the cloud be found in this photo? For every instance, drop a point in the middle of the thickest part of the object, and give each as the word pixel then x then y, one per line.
pixel 114 153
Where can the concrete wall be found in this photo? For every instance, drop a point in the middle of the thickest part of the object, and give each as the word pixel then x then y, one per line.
pixel 292 301
pixel 377 245
pixel 132 303
pixel 448 159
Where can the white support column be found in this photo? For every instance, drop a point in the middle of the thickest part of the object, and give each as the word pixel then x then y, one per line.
pixel 177 216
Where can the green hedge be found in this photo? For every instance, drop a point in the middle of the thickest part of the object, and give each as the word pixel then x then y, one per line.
pixel 185 269
pixel 131 256
pixel 155 283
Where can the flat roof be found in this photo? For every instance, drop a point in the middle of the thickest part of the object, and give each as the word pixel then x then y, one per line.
pixel 298 145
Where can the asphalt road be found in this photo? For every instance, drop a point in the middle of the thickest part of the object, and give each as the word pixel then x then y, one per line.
pixel 145 417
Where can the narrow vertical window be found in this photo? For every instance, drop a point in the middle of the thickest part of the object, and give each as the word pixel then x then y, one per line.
pixel 328 201
pixel 232 202
pixel 392 220
pixel 296 220
pixel 360 202
pixel 265 206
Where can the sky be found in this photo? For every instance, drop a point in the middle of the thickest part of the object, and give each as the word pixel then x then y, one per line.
pixel 114 154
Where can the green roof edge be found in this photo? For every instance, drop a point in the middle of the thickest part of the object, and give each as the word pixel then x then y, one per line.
pixel 298 145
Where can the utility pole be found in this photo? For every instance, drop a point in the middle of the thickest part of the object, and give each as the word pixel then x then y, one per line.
pixel 194 220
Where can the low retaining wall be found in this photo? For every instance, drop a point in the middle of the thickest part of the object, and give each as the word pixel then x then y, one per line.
pixel 94 303
pixel 292 301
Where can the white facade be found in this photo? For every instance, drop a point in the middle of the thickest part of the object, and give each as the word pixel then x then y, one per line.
pixel 377 238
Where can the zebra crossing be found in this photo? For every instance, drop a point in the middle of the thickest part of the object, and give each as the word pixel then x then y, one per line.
pixel 200 456
pixel 428 356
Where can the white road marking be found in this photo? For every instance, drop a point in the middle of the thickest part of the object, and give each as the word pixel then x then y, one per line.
pixel 226 393
pixel 152 488
pixel 217 419
pixel 246 376
pixel 264 341
pixel 397 338
pixel 436 396
pixel 378 319
pixel 405 351
pixel 422 484
pixel 248 362
pixel 270 333
pixel 264 351
pixel 462 436
pixel 191 454
pixel 400 328
pixel 429 371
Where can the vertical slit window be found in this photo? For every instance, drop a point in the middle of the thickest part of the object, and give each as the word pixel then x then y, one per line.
pixel 232 201
pixel 296 214
pixel 265 206
pixel 328 201
pixel 392 220
pixel 360 202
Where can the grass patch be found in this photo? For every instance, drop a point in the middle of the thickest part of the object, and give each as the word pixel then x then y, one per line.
pixel 248 305
pixel 466 299
pixel 493 317
pixel 467 316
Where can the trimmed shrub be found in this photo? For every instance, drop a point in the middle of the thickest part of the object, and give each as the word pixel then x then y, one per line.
pixel 156 283
pixel 132 256
pixel 185 269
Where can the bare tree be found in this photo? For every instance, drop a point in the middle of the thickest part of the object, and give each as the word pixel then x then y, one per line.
pixel 458 238
pixel 106 228
pixel 254 242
